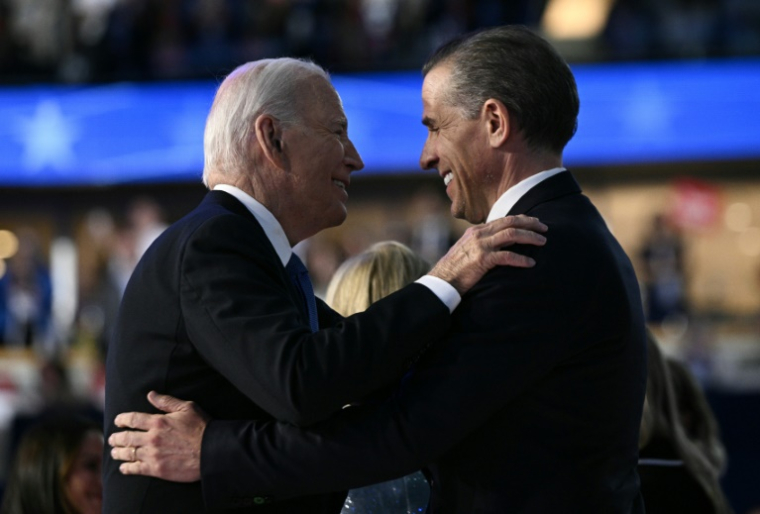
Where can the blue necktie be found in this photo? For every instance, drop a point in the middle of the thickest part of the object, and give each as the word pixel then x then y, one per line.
pixel 300 276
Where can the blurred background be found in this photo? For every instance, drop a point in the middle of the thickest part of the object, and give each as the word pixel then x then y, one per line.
pixel 103 104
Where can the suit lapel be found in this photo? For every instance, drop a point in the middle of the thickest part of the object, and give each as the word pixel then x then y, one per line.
pixel 233 205
pixel 561 184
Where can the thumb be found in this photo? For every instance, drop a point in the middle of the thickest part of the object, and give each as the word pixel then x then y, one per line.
pixel 165 403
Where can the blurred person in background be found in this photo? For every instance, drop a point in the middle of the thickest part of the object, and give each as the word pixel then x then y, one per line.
pixel 26 297
pixel 662 258
pixel 221 311
pixel 146 220
pixel 53 398
pixel 696 415
pixel 532 403
pixel 382 269
pixel 57 469
pixel 131 240
pixel 359 282
pixel 431 234
pixel 681 456
pixel 99 288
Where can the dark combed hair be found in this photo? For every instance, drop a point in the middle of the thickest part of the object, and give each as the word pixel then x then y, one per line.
pixel 45 454
pixel 522 70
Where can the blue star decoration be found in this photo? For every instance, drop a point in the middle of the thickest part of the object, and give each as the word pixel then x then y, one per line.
pixel 48 138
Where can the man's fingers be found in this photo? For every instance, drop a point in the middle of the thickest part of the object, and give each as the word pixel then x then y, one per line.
pixel 127 453
pixel 480 248
pixel 163 461
pixel 167 403
pixel 514 259
pixel 528 222
pixel 519 221
pixel 136 468
pixel 517 236
pixel 138 420
pixel 128 439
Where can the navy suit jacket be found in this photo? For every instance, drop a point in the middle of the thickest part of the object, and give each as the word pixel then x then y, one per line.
pixel 532 404
pixel 210 315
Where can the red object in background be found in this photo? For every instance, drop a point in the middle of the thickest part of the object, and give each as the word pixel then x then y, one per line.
pixel 7 383
pixel 696 204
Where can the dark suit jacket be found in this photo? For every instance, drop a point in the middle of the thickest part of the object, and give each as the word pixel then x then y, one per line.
pixel 210 315
pixel 531 405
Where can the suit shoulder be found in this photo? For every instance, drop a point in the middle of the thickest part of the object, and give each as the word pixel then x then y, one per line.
pixel 207 224
pixel 580 249
pixel 214 218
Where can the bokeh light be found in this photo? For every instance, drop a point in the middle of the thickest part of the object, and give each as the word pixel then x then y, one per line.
pixel 749 242
pixel 738 216
pixel 8 244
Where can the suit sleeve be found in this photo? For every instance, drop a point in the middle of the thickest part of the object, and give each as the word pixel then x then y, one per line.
pixel 327 317
pixel 240 315
pixel 500 345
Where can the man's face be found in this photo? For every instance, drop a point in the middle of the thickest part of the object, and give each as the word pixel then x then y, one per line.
pixel 321 158
pixel 454 147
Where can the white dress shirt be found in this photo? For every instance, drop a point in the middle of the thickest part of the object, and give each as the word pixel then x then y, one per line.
pixel 514 193
pixel 276 235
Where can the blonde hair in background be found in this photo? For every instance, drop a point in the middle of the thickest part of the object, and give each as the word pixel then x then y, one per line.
pixel 380 270
pixel 661 418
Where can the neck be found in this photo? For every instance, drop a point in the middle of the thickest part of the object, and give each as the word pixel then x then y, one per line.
pixel 519 166
pixel 258 187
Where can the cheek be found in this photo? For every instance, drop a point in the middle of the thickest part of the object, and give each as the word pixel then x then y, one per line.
pixel 80 484
pixel 336 151
pixel 75 490
pixel 321 167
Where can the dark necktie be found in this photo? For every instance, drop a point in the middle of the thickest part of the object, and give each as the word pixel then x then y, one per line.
pixel 300 276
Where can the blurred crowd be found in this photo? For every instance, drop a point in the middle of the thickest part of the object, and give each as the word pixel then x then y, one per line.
pixel 106 249
pixel 78 41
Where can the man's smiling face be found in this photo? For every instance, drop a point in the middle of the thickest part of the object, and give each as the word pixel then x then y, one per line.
pixel 456 147
pixel 320 158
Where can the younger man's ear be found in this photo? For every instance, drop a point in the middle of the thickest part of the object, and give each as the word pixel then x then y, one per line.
pixel 497 122
pixel 269 138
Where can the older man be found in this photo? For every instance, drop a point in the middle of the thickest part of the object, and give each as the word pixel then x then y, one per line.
pixel 221 312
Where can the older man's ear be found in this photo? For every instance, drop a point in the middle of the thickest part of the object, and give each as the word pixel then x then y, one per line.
pixel 269 139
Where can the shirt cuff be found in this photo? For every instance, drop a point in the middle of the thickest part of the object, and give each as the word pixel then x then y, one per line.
pixel 443 290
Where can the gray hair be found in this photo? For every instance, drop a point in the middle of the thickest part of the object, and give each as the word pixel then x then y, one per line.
pixel 520 69
pixel 267 86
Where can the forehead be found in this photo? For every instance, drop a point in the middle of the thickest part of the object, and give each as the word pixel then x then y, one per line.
pixel 322 101
pixel 434 85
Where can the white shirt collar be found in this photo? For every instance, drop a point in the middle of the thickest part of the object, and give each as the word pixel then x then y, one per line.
pixel 266 219
pixel 510 197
